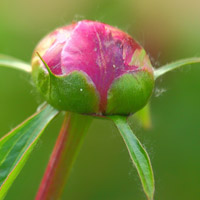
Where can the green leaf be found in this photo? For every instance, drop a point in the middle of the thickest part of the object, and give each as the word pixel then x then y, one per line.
pixel 144 116
pixel 7 61
pixel 138 155
pixel 16 146
pixel 171 66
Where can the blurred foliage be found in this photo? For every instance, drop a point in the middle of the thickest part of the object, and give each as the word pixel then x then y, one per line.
pixel 168 30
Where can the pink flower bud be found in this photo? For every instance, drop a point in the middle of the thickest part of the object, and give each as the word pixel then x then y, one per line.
pixel 93 68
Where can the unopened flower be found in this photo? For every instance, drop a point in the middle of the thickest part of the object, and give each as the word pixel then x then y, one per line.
pixel 92 68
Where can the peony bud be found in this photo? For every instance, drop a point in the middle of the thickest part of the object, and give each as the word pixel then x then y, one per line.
pixel 92 68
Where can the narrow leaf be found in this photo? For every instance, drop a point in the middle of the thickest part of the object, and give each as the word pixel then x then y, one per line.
pixel 15 147
pixel 144 116
pixel 7 61
pixel 138 155
pixel 171 66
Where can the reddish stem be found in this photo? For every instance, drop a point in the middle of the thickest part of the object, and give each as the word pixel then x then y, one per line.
pixel 63 156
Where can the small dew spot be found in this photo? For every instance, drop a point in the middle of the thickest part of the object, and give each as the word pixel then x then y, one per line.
pixel 114 66
pixel 81 89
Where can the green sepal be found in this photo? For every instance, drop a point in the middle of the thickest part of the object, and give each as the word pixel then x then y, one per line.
pixel 45 64
pixel 129 93
pixel 42 80
pixel 74 92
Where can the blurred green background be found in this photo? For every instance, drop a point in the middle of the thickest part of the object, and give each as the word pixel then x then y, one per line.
pixel 168 30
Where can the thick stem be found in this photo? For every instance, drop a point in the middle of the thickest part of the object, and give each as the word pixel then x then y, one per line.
pixel 62 158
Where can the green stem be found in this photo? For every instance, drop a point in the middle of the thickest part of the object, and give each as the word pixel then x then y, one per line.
pixel 64 153
pixel 138 155
pixel 11 62
pixel 171 66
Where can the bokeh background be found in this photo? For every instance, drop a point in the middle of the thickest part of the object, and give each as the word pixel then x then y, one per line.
pixel 168 30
